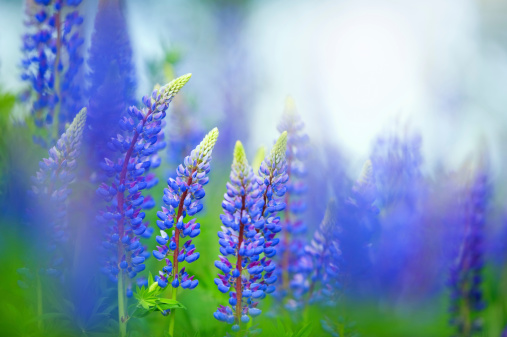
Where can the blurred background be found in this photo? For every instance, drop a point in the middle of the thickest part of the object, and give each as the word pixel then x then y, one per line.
pixel 353 67
pixel 433 73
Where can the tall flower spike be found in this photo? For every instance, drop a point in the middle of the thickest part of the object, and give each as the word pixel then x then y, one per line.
pixel 51 183
pixel 322 261
pixel 293 226
pixel 48 217
pixel 249 228
pixel 183 197
pixel 466 274
pixel 111 80
pixel 137 148
pixel 52 59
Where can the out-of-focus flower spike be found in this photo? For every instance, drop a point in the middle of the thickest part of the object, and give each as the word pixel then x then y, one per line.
pixel 52 61
pixel 52 182
pixel 365 184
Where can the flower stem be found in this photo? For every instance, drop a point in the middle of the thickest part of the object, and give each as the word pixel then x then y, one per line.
pixel 122 319
pixel 172 315
pixel 39 303
pixel 175 254
pixel 239 289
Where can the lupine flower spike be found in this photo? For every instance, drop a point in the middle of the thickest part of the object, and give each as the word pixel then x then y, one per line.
pixel 293 226
pixel 249 228
pixel 137 148
pixel 51 191
pixel 322 260
pixel 466 274
pixel 52 59
pixel 182 198
pixel 51 184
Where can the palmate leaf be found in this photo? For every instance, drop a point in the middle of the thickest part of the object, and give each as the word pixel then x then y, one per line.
pixel 149 299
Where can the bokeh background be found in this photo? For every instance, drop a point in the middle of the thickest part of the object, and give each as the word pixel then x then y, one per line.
pixel 429 71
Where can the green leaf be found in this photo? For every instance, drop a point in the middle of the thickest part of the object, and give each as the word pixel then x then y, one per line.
pixel 304 331
pixel 167 303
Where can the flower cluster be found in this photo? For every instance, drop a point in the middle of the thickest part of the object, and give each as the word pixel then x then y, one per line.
pixel 465 279
pixel 357 224
pixel 137 148
pixel 318 269
pixel 51 184
pixel 249 228
pixel 293 226
pixel 52 59
pixel 183 197
pixel 111 81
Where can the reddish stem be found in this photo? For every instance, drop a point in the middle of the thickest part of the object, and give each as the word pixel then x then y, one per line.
pixel 120 197
pixel 239 266
pixel 177 231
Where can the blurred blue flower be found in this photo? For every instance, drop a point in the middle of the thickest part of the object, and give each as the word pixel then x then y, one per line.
pixel 52 59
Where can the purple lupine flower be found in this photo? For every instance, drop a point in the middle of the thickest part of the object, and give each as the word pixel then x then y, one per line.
pixel 52 58
pixel 249 228
pixel 111 81
pixel 293 226
pixel 183 197
pixel 233 73
pixel 137 145
pixel 51 187
pixel 407 232
pixel 465 277
pixel 318 270
pixel 358 221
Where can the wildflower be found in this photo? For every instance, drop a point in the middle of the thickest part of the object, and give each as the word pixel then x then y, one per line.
pixel 51 184
pixel 465 278
pixel 183 197
pixel 137 147
pixel 249 228
pixel 52 59
pixel 293 226
pixel 111 81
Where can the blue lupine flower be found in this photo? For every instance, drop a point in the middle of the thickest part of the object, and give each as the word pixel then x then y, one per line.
pixel 235 77
pixel 136 147
pixel 321 262
pixel 249 228
pixel 111 81
pixel 51 187
pixel 357 218
pixel 465 278
pixel 52 58
pixel 293 226
pixel 408 225
pixel 183 197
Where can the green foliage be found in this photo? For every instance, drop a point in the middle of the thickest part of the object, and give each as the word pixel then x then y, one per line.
pixel 149 299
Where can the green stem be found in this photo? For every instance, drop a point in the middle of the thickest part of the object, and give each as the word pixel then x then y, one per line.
pixel 172 315
pixel 39 303
pixel 122 319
